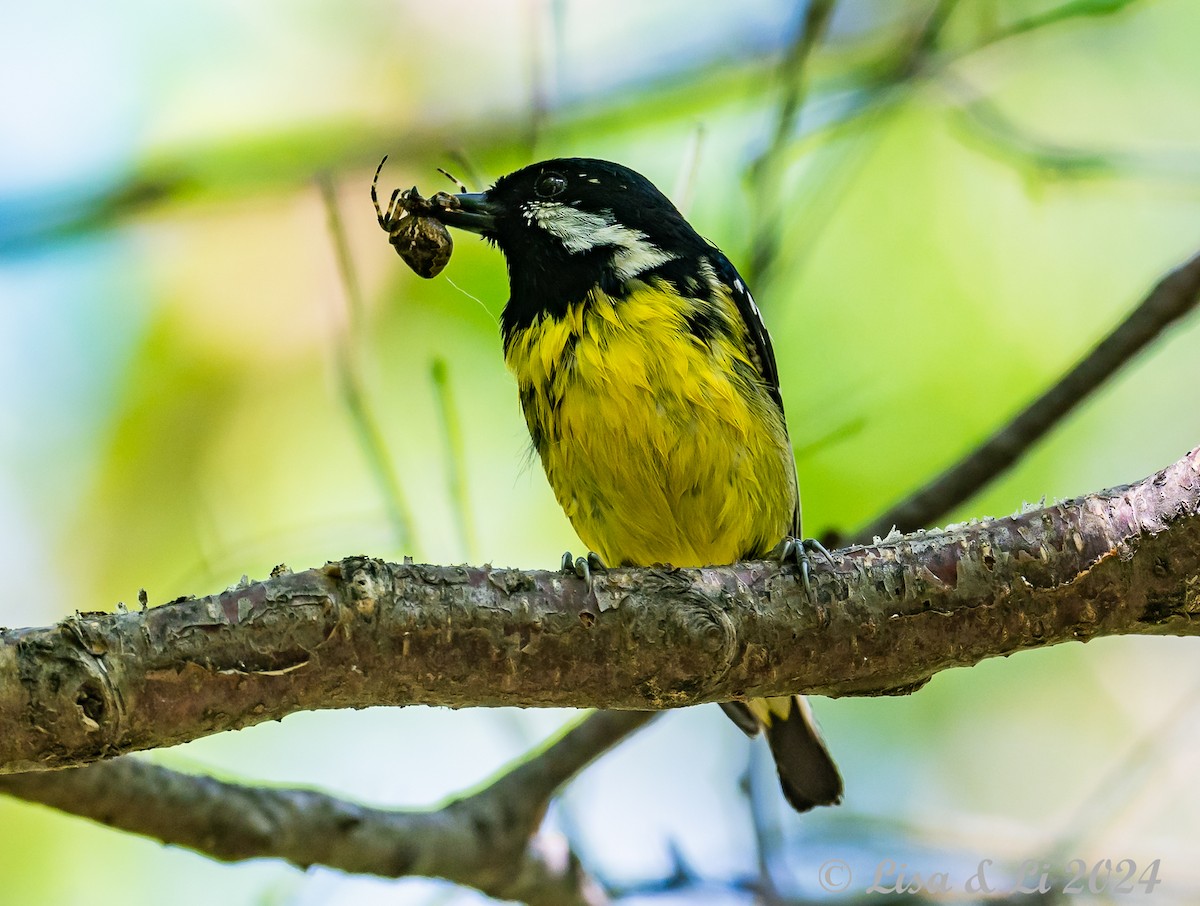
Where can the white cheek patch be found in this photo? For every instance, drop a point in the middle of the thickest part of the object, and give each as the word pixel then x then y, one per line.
pixel 578 230
pixel 581 231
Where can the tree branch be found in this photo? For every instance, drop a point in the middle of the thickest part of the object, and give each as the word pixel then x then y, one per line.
pixel 361 632
pixel 485 840
pixel 1174 296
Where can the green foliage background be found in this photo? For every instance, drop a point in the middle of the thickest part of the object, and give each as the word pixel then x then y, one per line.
pixel 953 236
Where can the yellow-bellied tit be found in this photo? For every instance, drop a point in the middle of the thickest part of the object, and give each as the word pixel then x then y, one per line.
pixel 651 394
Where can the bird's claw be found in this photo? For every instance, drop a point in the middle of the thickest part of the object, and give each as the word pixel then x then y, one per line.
pixel 796 550
pixel 583 567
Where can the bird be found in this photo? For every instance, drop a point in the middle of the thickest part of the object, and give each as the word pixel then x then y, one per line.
pixel 650 390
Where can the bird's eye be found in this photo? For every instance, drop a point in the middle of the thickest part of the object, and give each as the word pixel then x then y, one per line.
pixel 549 185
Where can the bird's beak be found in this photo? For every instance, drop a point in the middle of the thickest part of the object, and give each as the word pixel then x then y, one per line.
pixel 471 211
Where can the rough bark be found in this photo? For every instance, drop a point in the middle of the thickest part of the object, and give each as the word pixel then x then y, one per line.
pixel 361 632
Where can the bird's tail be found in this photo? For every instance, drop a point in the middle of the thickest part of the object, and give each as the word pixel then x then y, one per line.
pixel 806 771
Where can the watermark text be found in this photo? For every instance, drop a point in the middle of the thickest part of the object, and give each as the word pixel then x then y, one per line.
pixel 1113 877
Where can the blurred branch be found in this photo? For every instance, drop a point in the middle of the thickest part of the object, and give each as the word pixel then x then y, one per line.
pixel 681 877
pixel 341 250
pixel 285 158
pixel 791 73
pixel 766 172
pixel 999 136
pixel 880 87
pixel 543 24
pixel 836 150
pixel 456 456
pixel 1174 296
pixel 684 190
pixel 350 384
pixel 362 632
pixel 464 166
pixel 984 125
pixel 1103 807
pixel 1073 9
pixel 487 840
pixel 924 40
pixel 768 833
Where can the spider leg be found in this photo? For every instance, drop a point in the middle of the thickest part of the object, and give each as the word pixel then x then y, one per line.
pixel 395 210
pixel 375 194
pixel 454 179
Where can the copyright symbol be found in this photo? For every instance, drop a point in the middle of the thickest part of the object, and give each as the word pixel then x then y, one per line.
pixel 834 876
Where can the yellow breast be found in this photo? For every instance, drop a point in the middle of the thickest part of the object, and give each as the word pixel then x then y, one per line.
pixel 660 447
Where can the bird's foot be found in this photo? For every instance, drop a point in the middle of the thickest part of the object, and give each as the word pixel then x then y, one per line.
pixel 583 567
pixel 796 551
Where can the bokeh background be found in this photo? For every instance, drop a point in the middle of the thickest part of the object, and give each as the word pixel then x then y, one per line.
pixel 972 194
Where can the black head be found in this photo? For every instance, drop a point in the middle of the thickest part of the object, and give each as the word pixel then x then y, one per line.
pixel 570 225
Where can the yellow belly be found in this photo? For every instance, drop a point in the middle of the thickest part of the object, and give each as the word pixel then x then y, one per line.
pixel 660 448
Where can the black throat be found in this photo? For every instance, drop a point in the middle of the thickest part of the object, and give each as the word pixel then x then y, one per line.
pixel 549 284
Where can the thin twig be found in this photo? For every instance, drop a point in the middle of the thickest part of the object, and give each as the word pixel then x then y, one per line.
pixel 1174 296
